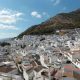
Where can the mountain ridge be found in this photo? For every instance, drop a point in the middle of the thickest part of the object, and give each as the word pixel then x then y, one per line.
pixel 69 20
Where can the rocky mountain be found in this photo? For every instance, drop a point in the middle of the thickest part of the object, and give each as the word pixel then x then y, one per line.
pixel 61 21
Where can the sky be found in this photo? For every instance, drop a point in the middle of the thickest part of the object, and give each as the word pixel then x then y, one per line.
pixel 18 15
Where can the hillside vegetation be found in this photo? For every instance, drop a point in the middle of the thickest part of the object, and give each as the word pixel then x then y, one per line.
pixel 69 20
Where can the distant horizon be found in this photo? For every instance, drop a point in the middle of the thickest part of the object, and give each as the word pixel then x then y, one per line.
pixel 17 16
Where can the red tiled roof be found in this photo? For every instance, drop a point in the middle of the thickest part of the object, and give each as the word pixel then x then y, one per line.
pixel 71 68
pixel 6 69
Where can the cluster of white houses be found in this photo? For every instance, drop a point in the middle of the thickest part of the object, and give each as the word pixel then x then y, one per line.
pixel 42 57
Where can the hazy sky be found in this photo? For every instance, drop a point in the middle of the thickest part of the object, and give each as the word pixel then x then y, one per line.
pixel 18 15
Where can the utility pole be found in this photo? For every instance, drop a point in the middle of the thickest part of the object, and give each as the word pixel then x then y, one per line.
pixel 49 71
